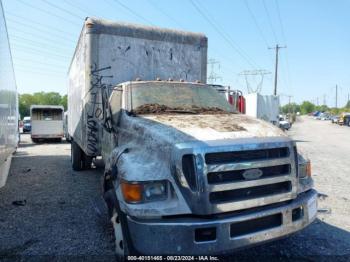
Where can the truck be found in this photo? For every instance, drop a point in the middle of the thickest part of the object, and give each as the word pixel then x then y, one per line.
pixel 9 135
pixel 184 173
pixel 46 122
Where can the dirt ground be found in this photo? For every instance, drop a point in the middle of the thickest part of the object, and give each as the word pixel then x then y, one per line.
pixel 48 211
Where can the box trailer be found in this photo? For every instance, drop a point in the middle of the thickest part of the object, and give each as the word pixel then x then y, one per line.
pixel 9 135
pixel 46 122
pixel 184 172
pixel 265 107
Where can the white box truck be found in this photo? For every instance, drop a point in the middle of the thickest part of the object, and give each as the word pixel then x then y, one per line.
pixel 47 122
pixel 184 172
pixel 9 135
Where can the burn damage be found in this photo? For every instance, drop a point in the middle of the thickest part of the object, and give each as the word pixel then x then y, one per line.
pixel 163 109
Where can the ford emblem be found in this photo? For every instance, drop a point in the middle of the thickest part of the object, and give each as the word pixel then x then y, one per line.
pixel 252 174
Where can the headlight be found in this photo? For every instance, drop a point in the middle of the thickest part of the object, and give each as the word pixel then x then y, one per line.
pixel 304 167
pixel 305 170
pixel 140 192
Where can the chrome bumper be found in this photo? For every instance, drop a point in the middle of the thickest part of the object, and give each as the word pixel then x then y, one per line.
pixel 197 236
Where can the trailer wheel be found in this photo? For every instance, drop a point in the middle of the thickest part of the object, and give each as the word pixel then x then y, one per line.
pixel 76 157
pixel 118 218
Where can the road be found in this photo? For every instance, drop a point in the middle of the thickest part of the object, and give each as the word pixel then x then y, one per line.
pixel 60 212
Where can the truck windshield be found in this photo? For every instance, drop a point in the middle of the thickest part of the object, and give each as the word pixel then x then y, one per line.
pixel 177 98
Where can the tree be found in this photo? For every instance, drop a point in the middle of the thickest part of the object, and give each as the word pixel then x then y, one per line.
pixel 291 108
pixel 40 98
pixel 307 107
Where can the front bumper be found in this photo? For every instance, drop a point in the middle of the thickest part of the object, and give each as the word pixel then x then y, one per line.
pixel 198 236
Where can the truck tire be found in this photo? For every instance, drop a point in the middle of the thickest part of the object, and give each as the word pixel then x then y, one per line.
pixel 123 244
pixel 87 161
pixel 76 157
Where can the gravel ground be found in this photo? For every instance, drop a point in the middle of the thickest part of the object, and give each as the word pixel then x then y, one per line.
pixel 59 213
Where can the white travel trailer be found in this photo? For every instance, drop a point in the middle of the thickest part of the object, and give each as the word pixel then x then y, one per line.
pixel 8 104
pixel 47 122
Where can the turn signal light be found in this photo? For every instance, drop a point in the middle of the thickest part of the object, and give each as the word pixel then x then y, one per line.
pixel 308 169
pixel 132 192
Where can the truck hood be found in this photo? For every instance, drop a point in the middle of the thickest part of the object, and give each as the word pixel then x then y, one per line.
pixel 216 126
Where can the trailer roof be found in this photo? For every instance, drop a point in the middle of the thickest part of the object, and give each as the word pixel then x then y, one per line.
pixel 46 107
pixel 102 26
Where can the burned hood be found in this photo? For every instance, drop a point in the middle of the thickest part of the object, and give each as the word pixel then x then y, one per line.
pixel 211 127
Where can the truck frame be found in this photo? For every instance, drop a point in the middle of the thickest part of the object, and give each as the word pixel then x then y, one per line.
pixel 184 172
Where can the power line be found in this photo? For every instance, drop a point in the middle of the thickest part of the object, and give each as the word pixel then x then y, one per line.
pixel 62 9
pixel 39 36
pixel 222 34
pixel 34 50
pixel 36 43
pixel 37 29
pixel 35 22
pixel 166 14
pixel 133 12
pixel 284 39
pixel 269 20
pixel 47 12
pixel 256 22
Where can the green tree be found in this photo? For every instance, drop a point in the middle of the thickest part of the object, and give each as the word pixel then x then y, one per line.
pixel 291 108
pixel 40 98
pixel 64 102
pixel 307 107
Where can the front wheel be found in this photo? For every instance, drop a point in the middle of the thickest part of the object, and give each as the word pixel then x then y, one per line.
pixel 119 223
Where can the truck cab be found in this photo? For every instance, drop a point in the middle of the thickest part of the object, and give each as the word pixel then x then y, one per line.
pixel 189 173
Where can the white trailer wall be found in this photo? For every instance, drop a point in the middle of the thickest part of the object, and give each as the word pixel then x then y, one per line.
pixel 8 103
pixel 264 107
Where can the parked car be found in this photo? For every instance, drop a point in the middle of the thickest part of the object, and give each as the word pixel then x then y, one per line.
pixel 27 125
pixel 335 119
pixel 283 123
pixel 344 119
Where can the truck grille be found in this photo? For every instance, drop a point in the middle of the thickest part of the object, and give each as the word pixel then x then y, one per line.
pixel 250 192
pixel 237 175
pixel 247 155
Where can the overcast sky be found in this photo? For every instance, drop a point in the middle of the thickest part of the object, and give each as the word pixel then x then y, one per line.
pixel 43 35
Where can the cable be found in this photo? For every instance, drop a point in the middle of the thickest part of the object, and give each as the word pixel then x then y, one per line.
pixel 256 23
pixel 36 43
pixel 284 39
pixel 162 11
pixel 217 29
pixel 62 9
pixel 133 12
pixel 35 22
pixel 36 28
pixel 47 12
pixel 33 50
pixel 269 20
pixel 38 36
pixel 34 61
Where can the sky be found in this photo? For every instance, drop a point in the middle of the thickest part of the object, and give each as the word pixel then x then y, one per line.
pixel 43 35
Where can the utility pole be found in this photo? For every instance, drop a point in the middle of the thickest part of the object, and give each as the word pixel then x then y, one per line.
pixel 336 96
pixel 324 100
pixel 277 48
pixel 317 101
